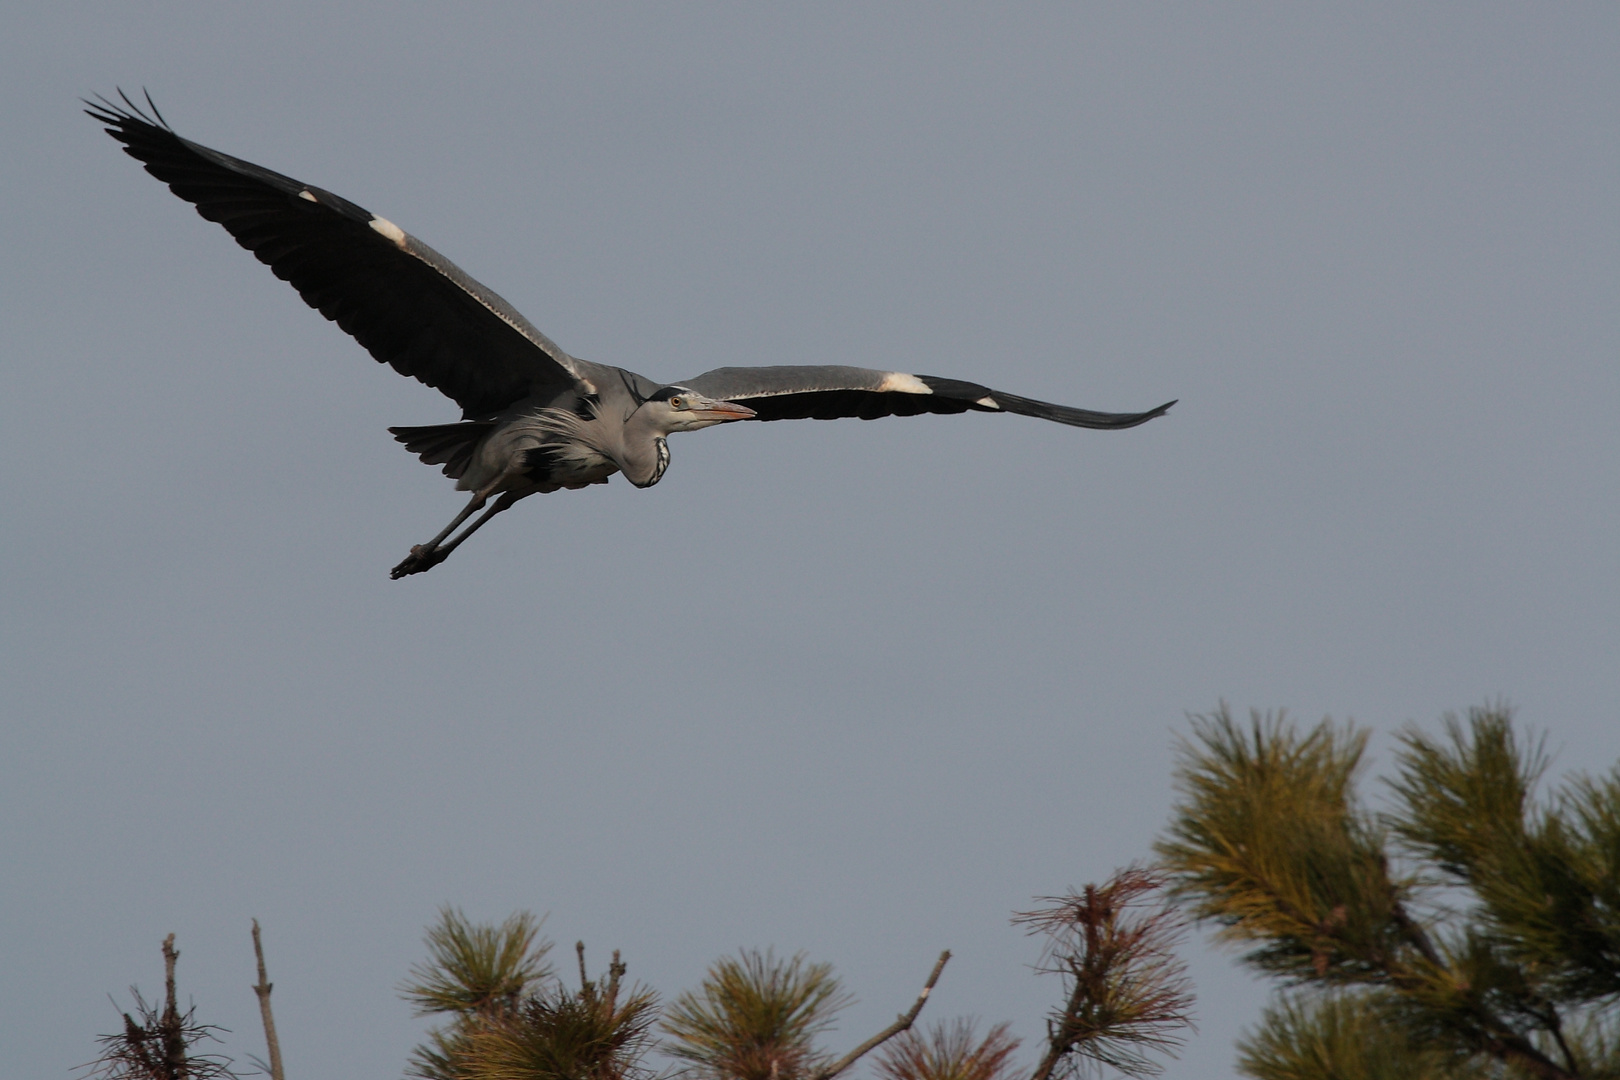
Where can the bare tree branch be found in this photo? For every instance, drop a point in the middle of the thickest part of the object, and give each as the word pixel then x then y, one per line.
pixel 901 1023
pixel 263 990
pixel 174 1041
pixel 156 1047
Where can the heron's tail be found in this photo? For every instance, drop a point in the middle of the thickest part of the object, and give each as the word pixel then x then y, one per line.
pixel 450 445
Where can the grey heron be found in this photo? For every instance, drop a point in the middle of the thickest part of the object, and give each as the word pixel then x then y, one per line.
pixel 533 418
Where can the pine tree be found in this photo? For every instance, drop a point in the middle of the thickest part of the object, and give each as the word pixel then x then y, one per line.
pixel 756 1017
pixel 511 1018
pixel 1471 930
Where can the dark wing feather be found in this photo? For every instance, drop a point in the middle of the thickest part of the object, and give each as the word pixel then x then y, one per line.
pixel 408 305
pixel 829 392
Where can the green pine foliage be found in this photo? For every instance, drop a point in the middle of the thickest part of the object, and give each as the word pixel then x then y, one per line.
pixel 756 1017
pixel 1546 877
pixel 1343 1036
pixel 1471 930
pixel 477 968
pixel 1270 844
pixel 600 1032
pixel 512 1019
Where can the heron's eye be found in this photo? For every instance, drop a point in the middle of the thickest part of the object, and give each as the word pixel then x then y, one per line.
pixel 677 402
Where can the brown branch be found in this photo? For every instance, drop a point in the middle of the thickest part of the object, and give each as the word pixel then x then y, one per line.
pixel 616 970
pixel 1502 1042
pixel 1128 991
pixel 1515 1050
pixel 174 1039
pixel 263 990
pixel 1555 1024
pixel 901 1023
pixel 1059 1037
pixel 1414 934
pixel 1494 1035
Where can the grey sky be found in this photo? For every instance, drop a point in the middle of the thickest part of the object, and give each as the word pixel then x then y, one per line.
pixel 857 689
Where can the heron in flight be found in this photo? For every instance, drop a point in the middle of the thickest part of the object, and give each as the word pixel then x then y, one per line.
pixel 533 418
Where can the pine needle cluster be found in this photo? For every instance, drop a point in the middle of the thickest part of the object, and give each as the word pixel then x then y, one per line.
pixel 1471 930
pixel 511 1018
pixel 950 1051
pixel 1271 846
pixel 477 968
pixel 599 1032
pixel 1344 1036
pixel 756 1017
pixel 1126 994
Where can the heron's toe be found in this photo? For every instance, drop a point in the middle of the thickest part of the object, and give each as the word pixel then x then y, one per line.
pixel 420 559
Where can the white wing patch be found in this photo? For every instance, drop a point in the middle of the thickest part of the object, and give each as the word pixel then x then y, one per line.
pixel 988 402
pixel 898 382
pixel 307 194
pixel 390 230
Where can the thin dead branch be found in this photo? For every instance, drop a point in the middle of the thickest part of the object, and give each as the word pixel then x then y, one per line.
pixel 902 1023
pixel 263 989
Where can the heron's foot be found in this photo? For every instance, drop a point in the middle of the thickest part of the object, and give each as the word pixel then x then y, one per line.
pixel 419 560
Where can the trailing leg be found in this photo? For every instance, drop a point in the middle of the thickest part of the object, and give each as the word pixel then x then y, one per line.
pixel 502 503
pixel 427 556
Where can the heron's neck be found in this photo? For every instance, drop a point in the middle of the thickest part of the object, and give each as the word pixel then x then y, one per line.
pixel 644 460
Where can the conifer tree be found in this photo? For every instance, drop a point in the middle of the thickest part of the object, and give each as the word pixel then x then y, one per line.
pixel 1470 930
pixel 511 1018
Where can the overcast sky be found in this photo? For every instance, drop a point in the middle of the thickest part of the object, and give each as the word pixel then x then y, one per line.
pixel 860 689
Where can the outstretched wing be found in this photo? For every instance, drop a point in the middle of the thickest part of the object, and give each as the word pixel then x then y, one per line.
pixel 410 307
pixel 828 393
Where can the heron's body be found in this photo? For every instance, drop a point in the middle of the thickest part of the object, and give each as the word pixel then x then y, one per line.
pixel 534 418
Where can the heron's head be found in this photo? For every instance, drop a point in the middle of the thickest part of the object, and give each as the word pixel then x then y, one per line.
pixel 675 408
